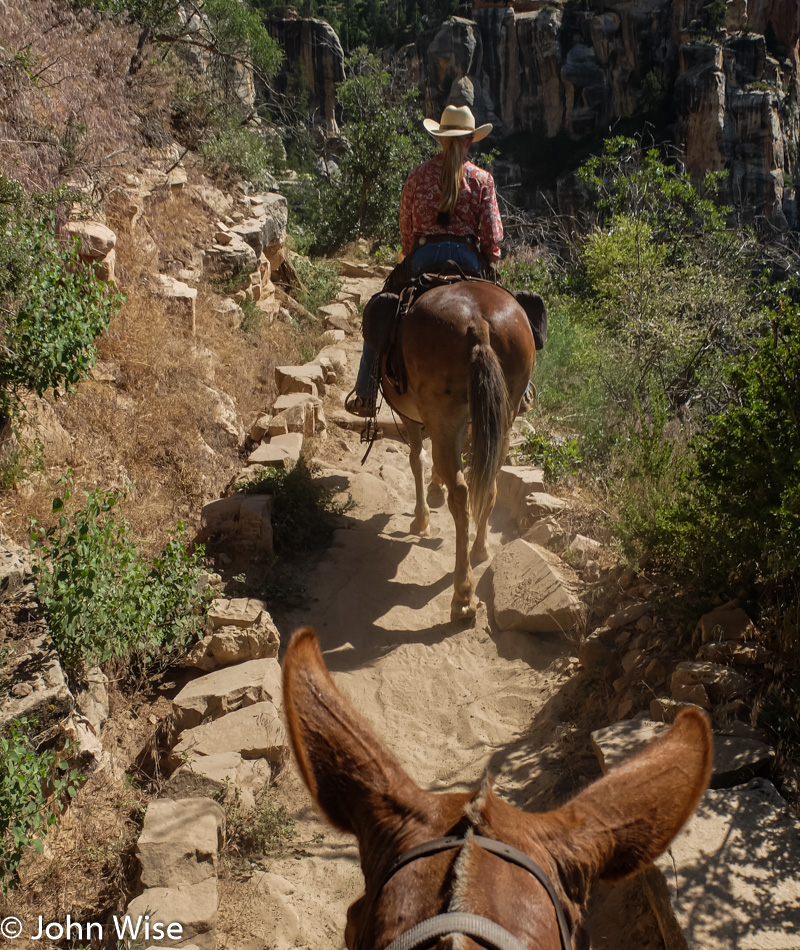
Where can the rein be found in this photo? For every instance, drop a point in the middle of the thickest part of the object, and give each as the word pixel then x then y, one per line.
pixel 485 931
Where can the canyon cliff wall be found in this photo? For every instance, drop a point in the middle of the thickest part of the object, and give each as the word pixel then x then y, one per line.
pixel 555 77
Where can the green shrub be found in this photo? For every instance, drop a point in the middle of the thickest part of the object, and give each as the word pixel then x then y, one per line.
pixel 557 457
pixel 245 152
pixel 382 141
pixel 102 599
pixel 303 509
pixel 320 282
pixel 52 309
pixel 741 503
pixel 33 788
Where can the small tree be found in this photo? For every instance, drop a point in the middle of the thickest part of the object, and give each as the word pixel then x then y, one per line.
pixel 383 140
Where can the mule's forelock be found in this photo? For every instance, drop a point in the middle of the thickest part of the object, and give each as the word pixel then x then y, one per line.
pixel 476 808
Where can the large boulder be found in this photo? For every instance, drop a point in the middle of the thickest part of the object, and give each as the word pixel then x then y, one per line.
pixel 240 630
pixel 192 907
pixel 534 590
pixel 729 879
pixel 227 689
pixel 255 732
pixel 180 841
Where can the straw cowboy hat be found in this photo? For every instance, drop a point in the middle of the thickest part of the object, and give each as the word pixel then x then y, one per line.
pixel 456 121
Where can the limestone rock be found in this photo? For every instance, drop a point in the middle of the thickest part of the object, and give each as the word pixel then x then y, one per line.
pixel 48 699
pixel 225 776
pixel 179 294
pixel 539 505
pixel 180 841
pixel 533 590
pixel 313 43
pixel 227 430
pixel 721 682
pixel 259 428
pixel 336 316
pixel 241 523
pixel 726 623
pixel 255 732
pixel 282 451
pixel 308 378
pixel 95 239
pixel 581 550
pixel 231 259
pixel 628 614
pixel 547 533
pixel 236 612
pixel 15 567
pixel 193 906
pixel 514 484
pixel 235 642
pixel 227 689
pixel 728 879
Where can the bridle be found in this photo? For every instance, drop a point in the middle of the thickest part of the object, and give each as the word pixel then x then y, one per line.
pixel 484 931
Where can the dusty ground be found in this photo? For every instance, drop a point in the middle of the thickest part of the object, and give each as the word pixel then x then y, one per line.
pixel 450 700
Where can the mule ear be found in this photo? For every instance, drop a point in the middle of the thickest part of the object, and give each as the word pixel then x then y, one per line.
pixel 354 779
pixel 624 821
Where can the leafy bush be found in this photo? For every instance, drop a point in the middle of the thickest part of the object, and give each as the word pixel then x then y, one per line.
pixel 33 788
pixel 102 598
pixel 741 503
pixel 557 457
pixel 381 132
pixel 52 309
pixel 226 30
pixel 320 282
pixel 245 152
pixel 303 509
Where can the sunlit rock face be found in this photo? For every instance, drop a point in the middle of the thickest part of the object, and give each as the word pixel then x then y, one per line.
pixel 725 98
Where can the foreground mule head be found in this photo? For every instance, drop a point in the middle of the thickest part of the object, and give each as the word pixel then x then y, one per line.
pixel 612 829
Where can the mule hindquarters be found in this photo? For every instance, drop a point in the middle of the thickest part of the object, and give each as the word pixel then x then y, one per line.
pixel 468 351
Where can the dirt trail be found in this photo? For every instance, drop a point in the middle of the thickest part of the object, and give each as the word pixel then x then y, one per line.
pixel 450 700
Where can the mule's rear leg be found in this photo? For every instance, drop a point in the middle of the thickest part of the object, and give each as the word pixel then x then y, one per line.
pixel 435 495
pixel 422 513
pixel 447 461
pixel 480 546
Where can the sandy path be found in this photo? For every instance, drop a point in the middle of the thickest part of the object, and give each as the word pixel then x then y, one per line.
pixel 449 700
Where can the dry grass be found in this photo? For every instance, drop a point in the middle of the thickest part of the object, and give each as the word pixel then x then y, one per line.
pixel 152 431
pixel 65 108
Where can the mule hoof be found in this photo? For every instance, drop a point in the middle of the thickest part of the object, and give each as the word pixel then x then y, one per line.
pixel 463 611
pixel 421 528
pixel 435 496
pixel 479 555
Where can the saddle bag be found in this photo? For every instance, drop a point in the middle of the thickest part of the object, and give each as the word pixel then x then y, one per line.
pixel 534 307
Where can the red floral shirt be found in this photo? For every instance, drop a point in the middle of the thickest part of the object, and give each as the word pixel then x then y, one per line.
pixel 475 213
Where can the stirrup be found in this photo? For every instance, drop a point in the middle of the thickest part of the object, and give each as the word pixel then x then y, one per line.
pixel 358 405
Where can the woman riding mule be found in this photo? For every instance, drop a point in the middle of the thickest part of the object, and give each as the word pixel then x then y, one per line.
pixel 448 212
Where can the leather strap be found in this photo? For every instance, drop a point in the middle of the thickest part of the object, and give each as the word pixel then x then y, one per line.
pixel 485 931
pixel 505 851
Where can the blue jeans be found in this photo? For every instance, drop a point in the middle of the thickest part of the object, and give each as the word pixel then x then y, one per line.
pixel 368 357
pixel 429 256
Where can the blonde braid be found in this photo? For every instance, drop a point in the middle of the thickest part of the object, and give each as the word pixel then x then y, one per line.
pixel 455 151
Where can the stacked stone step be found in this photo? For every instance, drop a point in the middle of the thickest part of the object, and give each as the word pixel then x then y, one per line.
pixel 226 740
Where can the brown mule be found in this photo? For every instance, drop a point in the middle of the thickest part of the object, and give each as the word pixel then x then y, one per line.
pixel 469 353
pixel 437 864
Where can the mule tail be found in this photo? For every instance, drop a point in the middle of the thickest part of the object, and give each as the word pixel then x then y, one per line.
pixel 490 413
